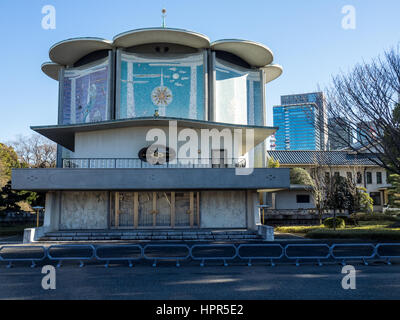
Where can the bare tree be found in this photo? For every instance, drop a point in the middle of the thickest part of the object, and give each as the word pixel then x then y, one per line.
pixel 319 190
pixel 366 99
pixel 322 164
pixel 35 151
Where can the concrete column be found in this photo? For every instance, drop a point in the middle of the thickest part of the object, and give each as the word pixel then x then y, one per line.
pixel 135 210
pixel 52 211
pixel 191 206
pixel 173 210
pixel 273 200
pixel 51 218
pixel 253 214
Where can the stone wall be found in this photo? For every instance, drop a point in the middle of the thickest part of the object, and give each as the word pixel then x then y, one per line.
pixel 223 209
pixel 20 218
pixel 297 217
pixel 84 210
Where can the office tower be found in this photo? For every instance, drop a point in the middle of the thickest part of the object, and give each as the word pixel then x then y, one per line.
pixel 302 122
pixel 340 136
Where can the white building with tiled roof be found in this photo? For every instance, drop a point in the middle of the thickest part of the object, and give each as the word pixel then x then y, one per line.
pixel 363 169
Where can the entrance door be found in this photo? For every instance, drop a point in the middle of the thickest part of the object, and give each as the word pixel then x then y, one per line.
pixel 155 209
pixel 121 208
pixel 125 209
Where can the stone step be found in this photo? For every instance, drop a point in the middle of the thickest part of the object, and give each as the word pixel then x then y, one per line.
pixel 173 235
pixel 177 237
pixel 155 238
pixel 118 234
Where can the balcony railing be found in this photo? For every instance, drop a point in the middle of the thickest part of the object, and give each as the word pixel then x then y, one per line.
pixel 136 163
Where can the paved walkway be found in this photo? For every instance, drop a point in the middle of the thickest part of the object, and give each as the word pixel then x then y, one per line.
pixel 287 236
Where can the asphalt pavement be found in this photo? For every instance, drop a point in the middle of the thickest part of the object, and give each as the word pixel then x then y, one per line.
pixel 212 282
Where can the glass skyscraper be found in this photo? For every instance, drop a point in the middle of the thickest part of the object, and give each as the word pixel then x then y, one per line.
pixel 340 133
pixel 302 122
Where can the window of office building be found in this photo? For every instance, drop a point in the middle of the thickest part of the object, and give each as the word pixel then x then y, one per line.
pixel 303 198
pixel 379 177
pixel 359 177
pixel 376 197
pixel 369 177
pixel 337 174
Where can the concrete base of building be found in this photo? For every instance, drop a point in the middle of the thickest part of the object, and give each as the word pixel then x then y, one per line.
pixel 96 211
pixel 175 235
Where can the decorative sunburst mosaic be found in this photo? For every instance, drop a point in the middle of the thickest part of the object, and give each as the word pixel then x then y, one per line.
pixel 161 96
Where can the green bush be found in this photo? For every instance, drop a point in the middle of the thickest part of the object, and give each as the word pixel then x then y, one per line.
pixel 300 176
pixel 331 222
pixel 349 220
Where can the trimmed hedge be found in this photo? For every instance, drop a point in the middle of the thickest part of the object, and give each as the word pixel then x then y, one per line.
pixel 376 235
pixel 376 216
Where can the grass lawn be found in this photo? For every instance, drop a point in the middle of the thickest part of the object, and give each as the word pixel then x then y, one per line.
pixel 13 230
pixel 373 230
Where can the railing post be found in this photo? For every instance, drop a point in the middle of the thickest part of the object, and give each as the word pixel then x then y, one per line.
pixel 125 163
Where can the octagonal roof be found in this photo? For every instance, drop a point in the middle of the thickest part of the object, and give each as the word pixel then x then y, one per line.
pixel 161 35
pixel 254 53
pixel 272 71
pixel 68 52
pixel 51 69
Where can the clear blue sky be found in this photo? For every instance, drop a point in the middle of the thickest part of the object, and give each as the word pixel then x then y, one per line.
pixel 305 35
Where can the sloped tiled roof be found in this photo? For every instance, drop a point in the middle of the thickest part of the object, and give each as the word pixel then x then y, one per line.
pixel 339 158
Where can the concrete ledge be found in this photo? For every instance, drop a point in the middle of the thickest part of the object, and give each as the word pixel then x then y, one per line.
pixel 266 232
pixel 147 179
pixel 33 234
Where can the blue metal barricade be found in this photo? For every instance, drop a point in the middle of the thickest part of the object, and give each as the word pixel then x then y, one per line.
pixel 168 253
pixel 102 253
pixel 201 252
pixel 211 249
pixel 71 250
pixel 22 253
pixel 389 254
pixel 259 255
pixel 324 252
pixel 369 247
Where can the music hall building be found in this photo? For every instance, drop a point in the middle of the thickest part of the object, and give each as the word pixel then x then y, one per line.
pixel 159 131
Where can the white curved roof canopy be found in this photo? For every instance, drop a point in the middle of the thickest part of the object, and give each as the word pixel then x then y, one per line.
pixel 161 35
pixel 51 69
pixel 272 72
pixel 69 51
pixel 255 54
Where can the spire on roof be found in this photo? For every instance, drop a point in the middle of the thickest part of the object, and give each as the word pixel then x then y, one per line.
pixel 164 14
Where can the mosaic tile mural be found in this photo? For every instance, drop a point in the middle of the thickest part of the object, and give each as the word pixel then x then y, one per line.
pixel 174 87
